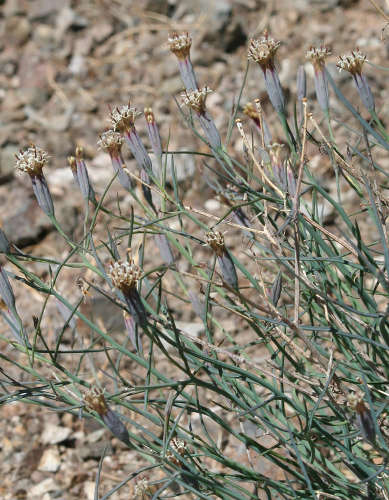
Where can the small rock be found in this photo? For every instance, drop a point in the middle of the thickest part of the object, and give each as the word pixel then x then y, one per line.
pixel 7 162
pixel 53 434
pixel 50 461
pixel 193 329
pixel 212 205
pixel 184 165
pixel 43 9
pixel 18 30
pixel 89 490
pixel 43 487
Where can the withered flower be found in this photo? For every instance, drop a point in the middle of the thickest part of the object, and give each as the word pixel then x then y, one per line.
pixel 215 240
pixel 143 489
pixel 95 400
pixel 364 416
pixel 252 112
pixel 177 446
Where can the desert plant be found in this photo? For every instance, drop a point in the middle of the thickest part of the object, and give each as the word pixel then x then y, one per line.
pixel 315 299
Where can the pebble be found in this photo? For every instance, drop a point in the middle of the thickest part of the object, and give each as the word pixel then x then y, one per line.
pixel 53 434
pixel 50 461
pixel 43 487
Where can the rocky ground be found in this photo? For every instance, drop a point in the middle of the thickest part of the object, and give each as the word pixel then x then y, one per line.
pixel 63 64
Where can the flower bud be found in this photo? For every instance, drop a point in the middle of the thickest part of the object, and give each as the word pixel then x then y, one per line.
pixel 164 248
pixel 83 177
pixel 152 129
pixel 301 83
pixel 4 243
pixel 6 292
pixel 133 333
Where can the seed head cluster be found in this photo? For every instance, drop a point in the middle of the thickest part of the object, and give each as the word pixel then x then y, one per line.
pixel 251 111
pixel 196 99
pixel 263 50
pixel 32 160
pixel 111 142
pixel 123 118
pixel 215 240
pixel 143 489
pixel 124 275
pixel 179 446
pixel 95 400
pixel 352 62
pixel 180 44
pixel 318 55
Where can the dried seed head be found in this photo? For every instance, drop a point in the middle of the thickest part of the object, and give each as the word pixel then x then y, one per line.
pixel 180 44
pixel 143 489
pixel 352 62
pixel 195 99
pixel 111 142
pixel 251 111
pixel 179 446
pixel 94 400
pixel 318 55
pixel 124 275
pixel 32 160
pixel 354 398
pixel 79 153
pixel 123 118
pixel 364 417
pixel 72 163
pixel 149 115
pixel 215 240
pixel 263 50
